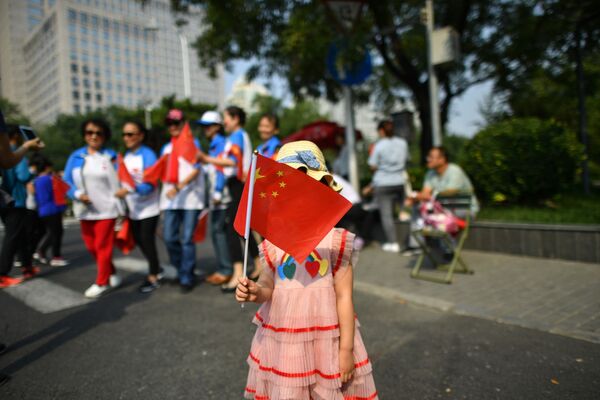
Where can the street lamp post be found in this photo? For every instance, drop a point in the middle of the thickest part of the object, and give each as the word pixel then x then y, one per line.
pixel 434 107
pixel 185 60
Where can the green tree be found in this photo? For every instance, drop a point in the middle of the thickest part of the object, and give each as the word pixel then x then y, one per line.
pixel 292 39
pixel 12 113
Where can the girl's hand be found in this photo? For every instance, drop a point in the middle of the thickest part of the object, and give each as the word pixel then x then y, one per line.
pixel 247 290
pixel 346 365
pixel 84 198
pixel 172 193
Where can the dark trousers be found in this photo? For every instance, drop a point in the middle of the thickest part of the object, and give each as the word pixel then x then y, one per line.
pixel 15 239
pixel 53 235
pixel 236 187
pixel 144 233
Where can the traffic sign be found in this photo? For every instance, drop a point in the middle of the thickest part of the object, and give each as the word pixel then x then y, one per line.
pixel 348 75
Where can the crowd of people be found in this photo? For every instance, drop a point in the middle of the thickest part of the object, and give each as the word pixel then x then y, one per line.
pixel 211 180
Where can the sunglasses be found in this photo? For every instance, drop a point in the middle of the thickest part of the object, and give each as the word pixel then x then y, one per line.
pixel 171 122
pixel 130 134
pixel 90 133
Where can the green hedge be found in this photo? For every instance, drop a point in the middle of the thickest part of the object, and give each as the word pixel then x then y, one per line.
pixel 522 160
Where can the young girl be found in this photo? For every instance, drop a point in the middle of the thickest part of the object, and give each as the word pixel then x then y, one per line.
pixel 307 345
pixel 268 128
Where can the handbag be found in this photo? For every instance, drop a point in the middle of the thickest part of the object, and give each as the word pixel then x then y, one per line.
pixel 436 217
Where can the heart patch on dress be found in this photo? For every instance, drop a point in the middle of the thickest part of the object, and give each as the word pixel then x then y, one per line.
pixel 312 267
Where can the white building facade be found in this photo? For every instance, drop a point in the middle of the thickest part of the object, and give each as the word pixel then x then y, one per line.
pixel 80 55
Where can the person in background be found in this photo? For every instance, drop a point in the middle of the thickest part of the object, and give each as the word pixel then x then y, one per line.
pixel 238 151
pixel 142 200
pixel 443 178
pixel 388 161
pixel 268 128
pixel 9 157
pixel 220 199
pixel 15 218
pixel 49 212
pixel 91 174
pixel 181 199
pixel 354 220
pixel 340 164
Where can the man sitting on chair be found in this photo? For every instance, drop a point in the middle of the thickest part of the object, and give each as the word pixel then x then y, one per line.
pixel 442 179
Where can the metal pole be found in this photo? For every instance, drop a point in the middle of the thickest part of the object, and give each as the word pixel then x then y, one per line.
pixel 350 139
pixel 436 131
pixel 147 117
pixel 185 60
pixel 583 135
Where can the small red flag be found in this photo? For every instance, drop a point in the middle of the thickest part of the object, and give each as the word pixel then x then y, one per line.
pixel 181 146
pixel 124 237
pixel 289 208
pixel 156 172
pixel 59 190
pixel 123 173
pixel 200 231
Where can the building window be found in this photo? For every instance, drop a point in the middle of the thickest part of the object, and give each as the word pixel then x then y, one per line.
pixel 85 69
pixel 87 96
pixel 97 85
pixel 83 18
pixel 99 98
pixel 75 81
pixel 96 72
pixel 84 30
pixel 86 83
pixel 73 67
pixel 94 20
pixel 108 85
pixel 88 109
pixel 76 109
pixel 75 95
pixel 72 15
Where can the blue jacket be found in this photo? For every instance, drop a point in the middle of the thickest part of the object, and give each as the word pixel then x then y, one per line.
pixel 270 147
pixel 44 197
pixel 75 164
pixel 217 148
pixel 14 180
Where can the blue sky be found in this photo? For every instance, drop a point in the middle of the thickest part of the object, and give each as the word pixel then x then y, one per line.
pixel 464 115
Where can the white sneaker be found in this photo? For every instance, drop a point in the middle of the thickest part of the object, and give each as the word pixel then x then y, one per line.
pixel 58 262
pixel 114 281
pixel 391 247
pixel 38 257
pixel 95 291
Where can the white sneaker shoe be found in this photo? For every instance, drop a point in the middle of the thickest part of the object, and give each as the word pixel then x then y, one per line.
pixel 58 262
pixel 114 281
pixel 96 291
pixel 391 247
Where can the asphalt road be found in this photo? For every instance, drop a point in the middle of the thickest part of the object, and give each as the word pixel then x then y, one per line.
pixel 168 345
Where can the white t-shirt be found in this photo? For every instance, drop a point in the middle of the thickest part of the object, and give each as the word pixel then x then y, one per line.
pixel 190 197
pixel 140 206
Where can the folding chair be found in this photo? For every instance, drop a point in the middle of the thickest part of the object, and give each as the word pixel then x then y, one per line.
pixel 460 205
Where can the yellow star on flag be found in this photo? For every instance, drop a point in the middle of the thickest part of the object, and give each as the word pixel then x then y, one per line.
pixel 262 195
pixel 282 184
pixel 257 175
pixel 274 194
pixel 279 173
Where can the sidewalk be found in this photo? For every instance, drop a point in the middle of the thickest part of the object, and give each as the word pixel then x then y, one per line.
pixel 555 296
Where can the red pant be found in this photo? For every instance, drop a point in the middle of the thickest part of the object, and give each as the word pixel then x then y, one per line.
pixel 99 237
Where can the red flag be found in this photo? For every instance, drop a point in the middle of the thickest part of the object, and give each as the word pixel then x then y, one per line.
pixel 124 237
pixel 59 190
pixel 181 146
pixel 123 173
pixel 290 209
pixel 156 172
pixel 200 231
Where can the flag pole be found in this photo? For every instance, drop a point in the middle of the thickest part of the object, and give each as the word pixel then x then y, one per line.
pixel 249 213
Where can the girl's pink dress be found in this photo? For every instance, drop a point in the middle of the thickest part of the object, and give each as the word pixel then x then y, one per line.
pixel 295 351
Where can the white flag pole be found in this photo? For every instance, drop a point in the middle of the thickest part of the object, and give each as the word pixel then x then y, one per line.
pixel 249 212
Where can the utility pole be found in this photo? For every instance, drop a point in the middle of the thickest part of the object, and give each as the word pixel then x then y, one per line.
pixel 434 107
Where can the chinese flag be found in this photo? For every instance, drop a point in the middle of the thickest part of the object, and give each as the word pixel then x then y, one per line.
pixel 181 146
pixel 124 175
pixel 156 172
pixel 59 190
pixel 124 237
pixel 290 209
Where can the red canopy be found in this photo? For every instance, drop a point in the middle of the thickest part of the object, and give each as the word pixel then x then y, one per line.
pixel 321 133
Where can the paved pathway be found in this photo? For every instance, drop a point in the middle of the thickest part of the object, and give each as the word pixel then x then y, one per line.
pixel 550 295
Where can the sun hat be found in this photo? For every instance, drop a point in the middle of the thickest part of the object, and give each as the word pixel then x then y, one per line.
pixel 174 115
pixel 210 118
pixel 307 155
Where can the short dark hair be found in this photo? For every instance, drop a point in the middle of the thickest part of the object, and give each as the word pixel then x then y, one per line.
pixel 102 124
pixel 387 126
pixel 40 162
pixel 443 151
pixel 272 118
pixel 237 112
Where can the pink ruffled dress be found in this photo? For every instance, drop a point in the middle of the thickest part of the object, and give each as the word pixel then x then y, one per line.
pixel 295 351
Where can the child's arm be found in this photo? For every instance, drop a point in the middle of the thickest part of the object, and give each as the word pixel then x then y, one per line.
pixel 345 310
pixel 257 292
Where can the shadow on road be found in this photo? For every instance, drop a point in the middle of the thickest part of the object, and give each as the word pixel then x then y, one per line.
pixel 105 310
